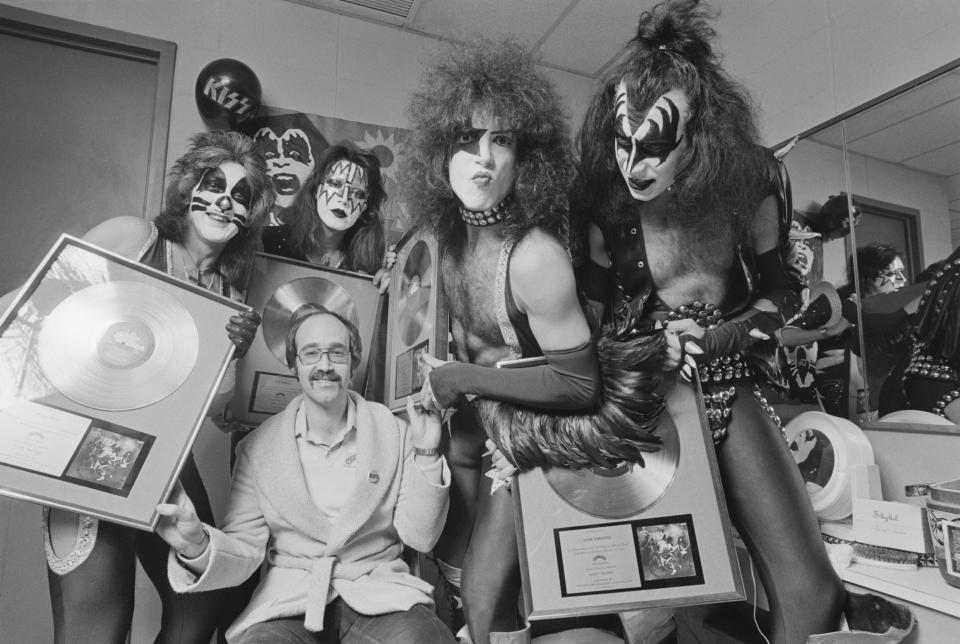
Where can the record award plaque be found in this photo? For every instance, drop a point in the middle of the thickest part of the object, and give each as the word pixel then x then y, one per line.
pixel 278 288
pixel 417 318
pixel 107 369
pixel 608 540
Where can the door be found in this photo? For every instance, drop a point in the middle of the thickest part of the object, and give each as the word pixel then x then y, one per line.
pixel 84 113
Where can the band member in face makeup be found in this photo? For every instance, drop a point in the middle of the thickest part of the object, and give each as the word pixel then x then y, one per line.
pixel 880 268
pixel 487 173
pixel 217 200
pixel 687 225
pixel 290 144
pixel 487 170
pixel 335 221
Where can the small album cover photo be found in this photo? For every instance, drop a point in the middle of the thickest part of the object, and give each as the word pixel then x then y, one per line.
pixel 109 458
pixel 668 552
pixel 409 376
pixel 951 548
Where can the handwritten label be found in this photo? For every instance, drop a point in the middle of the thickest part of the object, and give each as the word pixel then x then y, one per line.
pixel 891 524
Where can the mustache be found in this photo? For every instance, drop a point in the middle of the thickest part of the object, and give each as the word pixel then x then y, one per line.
pixel 325 375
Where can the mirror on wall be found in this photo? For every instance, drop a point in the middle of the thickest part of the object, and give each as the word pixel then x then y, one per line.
pixel 896 161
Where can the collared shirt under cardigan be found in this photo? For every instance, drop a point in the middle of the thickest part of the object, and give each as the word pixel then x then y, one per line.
pixel 310 559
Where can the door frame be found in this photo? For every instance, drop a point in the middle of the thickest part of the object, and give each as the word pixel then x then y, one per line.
pixel 111 42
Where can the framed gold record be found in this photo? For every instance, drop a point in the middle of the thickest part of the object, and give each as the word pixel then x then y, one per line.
pixel 417 318
pixel 107 370
pixel 278 288
pixel 604 541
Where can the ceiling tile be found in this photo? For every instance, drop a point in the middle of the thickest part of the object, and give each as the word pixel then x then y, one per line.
pixel 527 20
pixel 591 35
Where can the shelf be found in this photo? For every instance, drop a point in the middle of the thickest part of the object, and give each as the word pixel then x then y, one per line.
pixel 924 586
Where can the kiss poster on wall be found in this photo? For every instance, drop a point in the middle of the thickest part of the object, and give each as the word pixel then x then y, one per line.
pixel 291 141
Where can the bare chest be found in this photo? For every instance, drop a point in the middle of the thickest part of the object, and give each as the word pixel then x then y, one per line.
pixel 470 287
pixel 686 266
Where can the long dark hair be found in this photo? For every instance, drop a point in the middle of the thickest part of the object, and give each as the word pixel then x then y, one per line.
pixel 208 150
pixel 872 260
pixel 363 245
pixel 501 79
pixel 724 170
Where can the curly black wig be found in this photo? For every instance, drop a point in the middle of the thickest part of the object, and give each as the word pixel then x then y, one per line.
pixel 872 259
pixel 724 170
pixel 208 150
pixel 499 79
pixel 364 244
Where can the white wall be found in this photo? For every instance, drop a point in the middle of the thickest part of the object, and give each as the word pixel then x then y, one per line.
pixel 816 172
pixel 809 60
pixel 805 61
pixel 307 59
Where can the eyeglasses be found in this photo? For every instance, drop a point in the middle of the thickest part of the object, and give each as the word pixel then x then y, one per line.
pixel 900 272
pixel 312 355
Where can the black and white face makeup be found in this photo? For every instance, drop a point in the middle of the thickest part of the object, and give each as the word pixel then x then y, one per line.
pixel 650 146
pixel 891 279
pixel 289 161
pixel 220 203
pixel 483 163
pixel 342 197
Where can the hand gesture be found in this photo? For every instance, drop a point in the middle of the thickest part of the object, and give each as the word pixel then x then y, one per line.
pixel 242 329
pixel 681 349
pixel 424 426
pixel 427 364
pixel 381 278
pixel 180 527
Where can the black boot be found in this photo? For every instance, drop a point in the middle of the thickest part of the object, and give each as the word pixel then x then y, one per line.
pixel 870 619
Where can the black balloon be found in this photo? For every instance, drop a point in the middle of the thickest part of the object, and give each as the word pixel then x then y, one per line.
pixel 227 93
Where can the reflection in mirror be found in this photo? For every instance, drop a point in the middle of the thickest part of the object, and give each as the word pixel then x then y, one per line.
pixel 821 344
pixel 903 156
pixel 897 162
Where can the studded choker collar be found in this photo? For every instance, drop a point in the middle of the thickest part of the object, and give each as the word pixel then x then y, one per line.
pixel 487 217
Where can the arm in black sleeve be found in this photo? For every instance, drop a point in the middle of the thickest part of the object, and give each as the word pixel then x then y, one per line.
pixel 775 286
pixel 569 381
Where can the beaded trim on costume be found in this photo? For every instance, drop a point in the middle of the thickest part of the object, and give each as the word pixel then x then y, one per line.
pixel 503 317
pixel 83 546
pixel 719 375
pixel 923 365
pixel 940 407
pixel 487 217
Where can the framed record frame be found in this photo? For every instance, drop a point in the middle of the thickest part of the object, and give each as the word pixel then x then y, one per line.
pixel 107 370
pixel 278 287
pixel 604 541
pixel 417 318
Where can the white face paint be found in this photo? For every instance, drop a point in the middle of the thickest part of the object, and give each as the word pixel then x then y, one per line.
pixel 342 197
pixel 649 147
pixel 483 163
pixel 289 161
pixel 219 203
pixel 891 279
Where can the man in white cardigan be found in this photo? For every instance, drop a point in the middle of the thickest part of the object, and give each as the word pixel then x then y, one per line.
pixel 327 491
